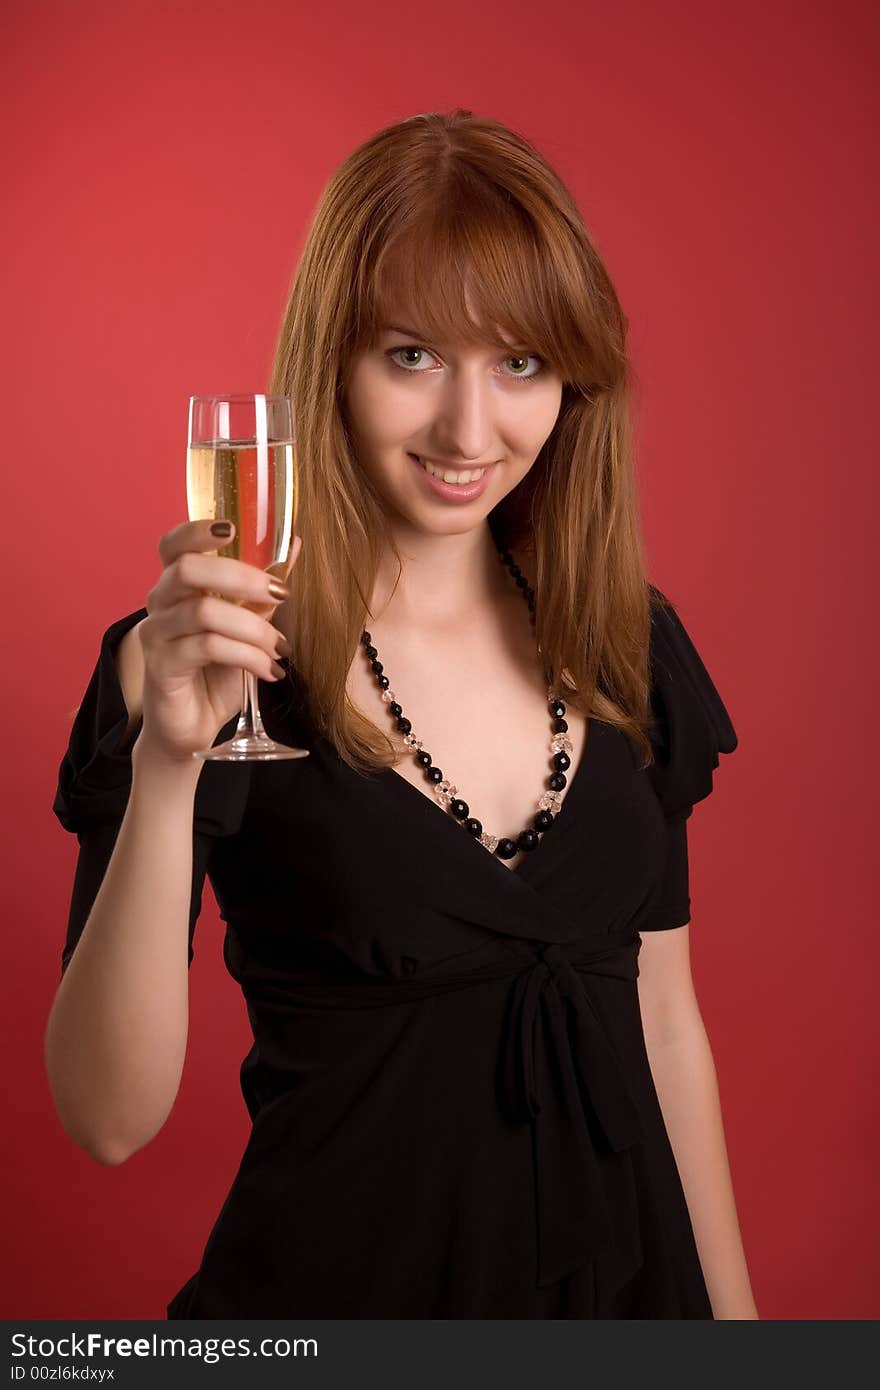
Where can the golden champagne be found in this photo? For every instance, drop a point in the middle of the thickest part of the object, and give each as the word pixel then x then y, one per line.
pixel 251 485
pixel 241 467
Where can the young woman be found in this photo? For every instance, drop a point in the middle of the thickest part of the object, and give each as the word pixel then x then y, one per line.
pixel 480 1085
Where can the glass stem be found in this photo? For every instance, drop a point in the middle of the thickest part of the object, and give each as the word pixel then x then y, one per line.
pixel 250 724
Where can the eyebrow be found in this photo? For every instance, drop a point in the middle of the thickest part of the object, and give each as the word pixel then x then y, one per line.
pixel 396 328
pixel 410 332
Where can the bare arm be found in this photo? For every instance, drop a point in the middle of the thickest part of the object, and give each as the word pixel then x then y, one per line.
pixel 116 1035
pixel 687 1088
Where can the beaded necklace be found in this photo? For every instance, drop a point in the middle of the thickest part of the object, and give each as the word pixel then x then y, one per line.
pixel 446 792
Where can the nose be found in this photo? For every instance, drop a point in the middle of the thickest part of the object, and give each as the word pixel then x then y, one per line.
pixel 464 427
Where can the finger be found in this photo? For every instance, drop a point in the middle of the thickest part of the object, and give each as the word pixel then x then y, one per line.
pixel 282 568
pixel 188 653
pixel 192 572
pixel 294 554
pixel 205 613
pixel 193 535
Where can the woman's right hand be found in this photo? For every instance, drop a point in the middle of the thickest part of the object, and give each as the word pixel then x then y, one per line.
pixel 196 643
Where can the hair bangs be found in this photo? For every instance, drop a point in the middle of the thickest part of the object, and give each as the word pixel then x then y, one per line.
pixel 468 275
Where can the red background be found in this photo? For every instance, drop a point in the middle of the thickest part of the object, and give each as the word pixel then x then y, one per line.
pixel 164 162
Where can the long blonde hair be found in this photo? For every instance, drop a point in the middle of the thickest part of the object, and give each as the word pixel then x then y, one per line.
pixel 457 213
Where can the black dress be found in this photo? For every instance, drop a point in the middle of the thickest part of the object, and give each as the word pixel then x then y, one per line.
pixel 453 1111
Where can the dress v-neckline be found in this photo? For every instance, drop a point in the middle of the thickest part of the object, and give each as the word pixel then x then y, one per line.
pixel 517 873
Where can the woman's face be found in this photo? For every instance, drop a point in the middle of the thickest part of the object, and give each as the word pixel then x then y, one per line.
pixel 409 402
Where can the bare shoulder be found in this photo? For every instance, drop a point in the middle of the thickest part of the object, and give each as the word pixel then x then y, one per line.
pixel 130 669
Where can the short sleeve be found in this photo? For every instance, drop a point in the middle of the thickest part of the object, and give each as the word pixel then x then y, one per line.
pixel 691 728
pixel 94 781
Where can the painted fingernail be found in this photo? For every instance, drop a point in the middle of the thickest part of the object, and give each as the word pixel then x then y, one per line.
pixel 221 528
pixel 283 646
pixel 278 590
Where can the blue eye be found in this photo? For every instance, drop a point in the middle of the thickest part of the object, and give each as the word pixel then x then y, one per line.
pixel 413 368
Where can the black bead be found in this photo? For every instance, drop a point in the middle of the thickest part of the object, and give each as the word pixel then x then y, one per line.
pixel 423 758
pixel 371 652
pixel 543 820
pixel 515 571
pixel 434 774
pixel 557 709
pixel 377 667
pixel 404 725
pixel 528 840
pixel 560 726
pixel 459 809
pixel 505 849
pixel 557 781
pixel 383 681
pixel 561 761
pixel 365 637
pixel 395 708
pixel 473 826
pixel 522 582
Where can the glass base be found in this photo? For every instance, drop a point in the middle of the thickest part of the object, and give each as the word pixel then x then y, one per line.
pixel 250 748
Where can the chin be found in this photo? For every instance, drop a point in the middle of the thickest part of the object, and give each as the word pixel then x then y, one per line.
pixel 451 525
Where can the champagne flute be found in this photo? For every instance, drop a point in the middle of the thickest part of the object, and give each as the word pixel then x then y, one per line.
pixel 241 467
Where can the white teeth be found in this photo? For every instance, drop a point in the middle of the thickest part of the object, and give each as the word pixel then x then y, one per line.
pixel 453 475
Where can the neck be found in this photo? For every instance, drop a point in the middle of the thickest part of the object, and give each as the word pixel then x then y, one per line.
pixel 445 581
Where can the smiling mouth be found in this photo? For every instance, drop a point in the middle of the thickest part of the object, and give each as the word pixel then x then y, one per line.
pixel 454 476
